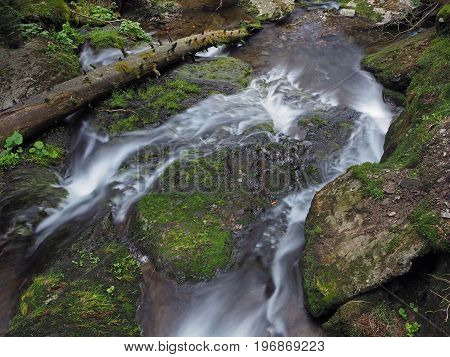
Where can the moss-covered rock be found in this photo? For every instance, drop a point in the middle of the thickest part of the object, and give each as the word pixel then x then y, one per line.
pixel 227 69
pixel 95 294
pixel 185 234
pixel 105 38
pixel 395 65
pixel 369 225
pixel 47 11
pixel 370 315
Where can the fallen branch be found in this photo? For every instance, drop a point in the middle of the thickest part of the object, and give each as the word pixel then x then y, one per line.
pixel 42 110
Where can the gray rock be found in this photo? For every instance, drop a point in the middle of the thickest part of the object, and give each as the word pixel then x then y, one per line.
pixel 347 12
pixel 410 182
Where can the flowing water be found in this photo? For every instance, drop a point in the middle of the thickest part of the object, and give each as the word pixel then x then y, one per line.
pixel 297 69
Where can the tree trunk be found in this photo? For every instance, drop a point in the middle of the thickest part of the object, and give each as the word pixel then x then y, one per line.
pixel 40 111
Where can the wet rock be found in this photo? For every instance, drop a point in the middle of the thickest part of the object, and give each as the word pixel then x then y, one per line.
pixel 410 182
pixel 30 69
pixel 269 9
pixel 353 251
pixel 26 195
pixel 347 12
pixel 395 65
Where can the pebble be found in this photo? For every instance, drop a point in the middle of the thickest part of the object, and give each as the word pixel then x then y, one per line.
pixel 392 214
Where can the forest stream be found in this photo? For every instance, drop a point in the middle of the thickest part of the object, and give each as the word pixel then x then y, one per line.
pixel 308 100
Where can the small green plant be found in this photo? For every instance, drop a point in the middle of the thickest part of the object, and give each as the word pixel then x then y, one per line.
pixel 15 139
pixel 402 313
pixel 126 268
pixel 28 31
pixel 133 30
pixel 10 156
pixel 369 175
pixel 43 153
pixel 412 328
pixel 110 290
pixel 39 153
pixel 88 13
pixel 86 257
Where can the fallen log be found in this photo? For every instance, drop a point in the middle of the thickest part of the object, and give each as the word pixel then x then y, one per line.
pixel 38 112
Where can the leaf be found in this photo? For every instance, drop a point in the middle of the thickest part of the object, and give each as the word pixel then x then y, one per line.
pixel 110 289
pixel 14 139
pixel 32 150
pixel 39 145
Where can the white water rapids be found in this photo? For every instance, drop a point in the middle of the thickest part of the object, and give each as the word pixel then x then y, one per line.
pixel 233 304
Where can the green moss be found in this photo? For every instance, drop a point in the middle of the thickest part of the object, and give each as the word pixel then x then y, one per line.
pixel 426 223
pixel 226 69
pixel 428 103
pixel 123 66
pixel 320 285
pixel 54 11
pixel 366 10
pixel 185 235
pixel 67 302
pixel 368 174
pixel 65 65
pixel 170 96
pixel 128 124
pixel 120 98
pixel 444 12
pixel 318 121
pixel 105 38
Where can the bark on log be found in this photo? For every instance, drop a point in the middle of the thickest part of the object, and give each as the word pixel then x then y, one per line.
pixel 42 110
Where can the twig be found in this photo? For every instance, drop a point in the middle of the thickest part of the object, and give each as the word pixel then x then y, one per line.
pixel 220 5
pixel 120 110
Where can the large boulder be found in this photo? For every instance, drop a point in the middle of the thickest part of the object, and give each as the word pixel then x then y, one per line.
pixel 369 226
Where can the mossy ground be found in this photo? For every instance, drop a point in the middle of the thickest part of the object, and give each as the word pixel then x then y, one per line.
pixel 152 101
pixel 93 291
pixel 369 315
pixel 106 38
pixel 47 11
pixel 186 234
pixel 226 69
